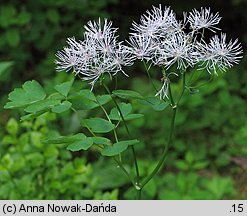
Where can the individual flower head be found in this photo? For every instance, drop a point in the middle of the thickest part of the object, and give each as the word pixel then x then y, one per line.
pixel 66 59
pixel 101 37
pixel 99 30
pixel 94 69
pixel 177 48
pixel 156 23
pixel 219 54
pixel 98 53
pixel 141 47
pixel 203 19
pixel 71 56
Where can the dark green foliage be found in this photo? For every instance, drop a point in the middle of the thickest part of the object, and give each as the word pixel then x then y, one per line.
pixel 30 169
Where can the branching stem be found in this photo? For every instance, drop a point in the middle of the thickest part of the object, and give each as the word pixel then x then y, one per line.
pixel 116 160
pixel 128 132
pixel 170 137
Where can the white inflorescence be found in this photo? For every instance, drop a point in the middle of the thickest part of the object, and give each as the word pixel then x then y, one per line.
pixel 159 39
pixel 99 53
pixel 162 40
pixel 203 19
pixel 219 54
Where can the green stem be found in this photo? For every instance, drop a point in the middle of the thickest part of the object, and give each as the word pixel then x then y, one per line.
pixel 84 123
pixel 149 76
pixel 124 170
pixel 204 83
pixel 108 118
pixel 191 76
pixel 132 147
pixel 114 129
pixel 118 162
pixel 139 194
pixel 203 31
pixel 170 137
pixel 127 129
pixel 170 96
pixel 164 154
pixel 183 89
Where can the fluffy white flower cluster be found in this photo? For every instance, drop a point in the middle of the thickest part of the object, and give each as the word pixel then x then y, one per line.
pixel 159 39
pixel 98 53
pixel 164 41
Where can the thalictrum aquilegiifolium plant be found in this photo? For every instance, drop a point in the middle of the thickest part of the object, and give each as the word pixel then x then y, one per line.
pixel 174 48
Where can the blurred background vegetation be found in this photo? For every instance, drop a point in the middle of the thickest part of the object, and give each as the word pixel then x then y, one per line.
pixel 209 158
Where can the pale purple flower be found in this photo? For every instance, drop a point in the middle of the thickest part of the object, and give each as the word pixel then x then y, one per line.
pixel 219 54
pixel 99 30
pixel 203 19
pixel 142 47
pixel 66 59
pixel 157 23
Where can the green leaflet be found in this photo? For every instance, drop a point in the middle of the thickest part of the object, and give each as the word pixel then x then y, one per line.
pixel 101 141
pixel 41 105
pixel 126 109
pixel 118 147
pixel 30 92
pixel 64 106
pixel 64 139
pixel 103 99
pixel 33 116
pixel 86 100
pixel 76 142
pixel 84 144
pixel 127 94
pixel 64 88
pixel 155 103
pixel 99 125
pixel 83 100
